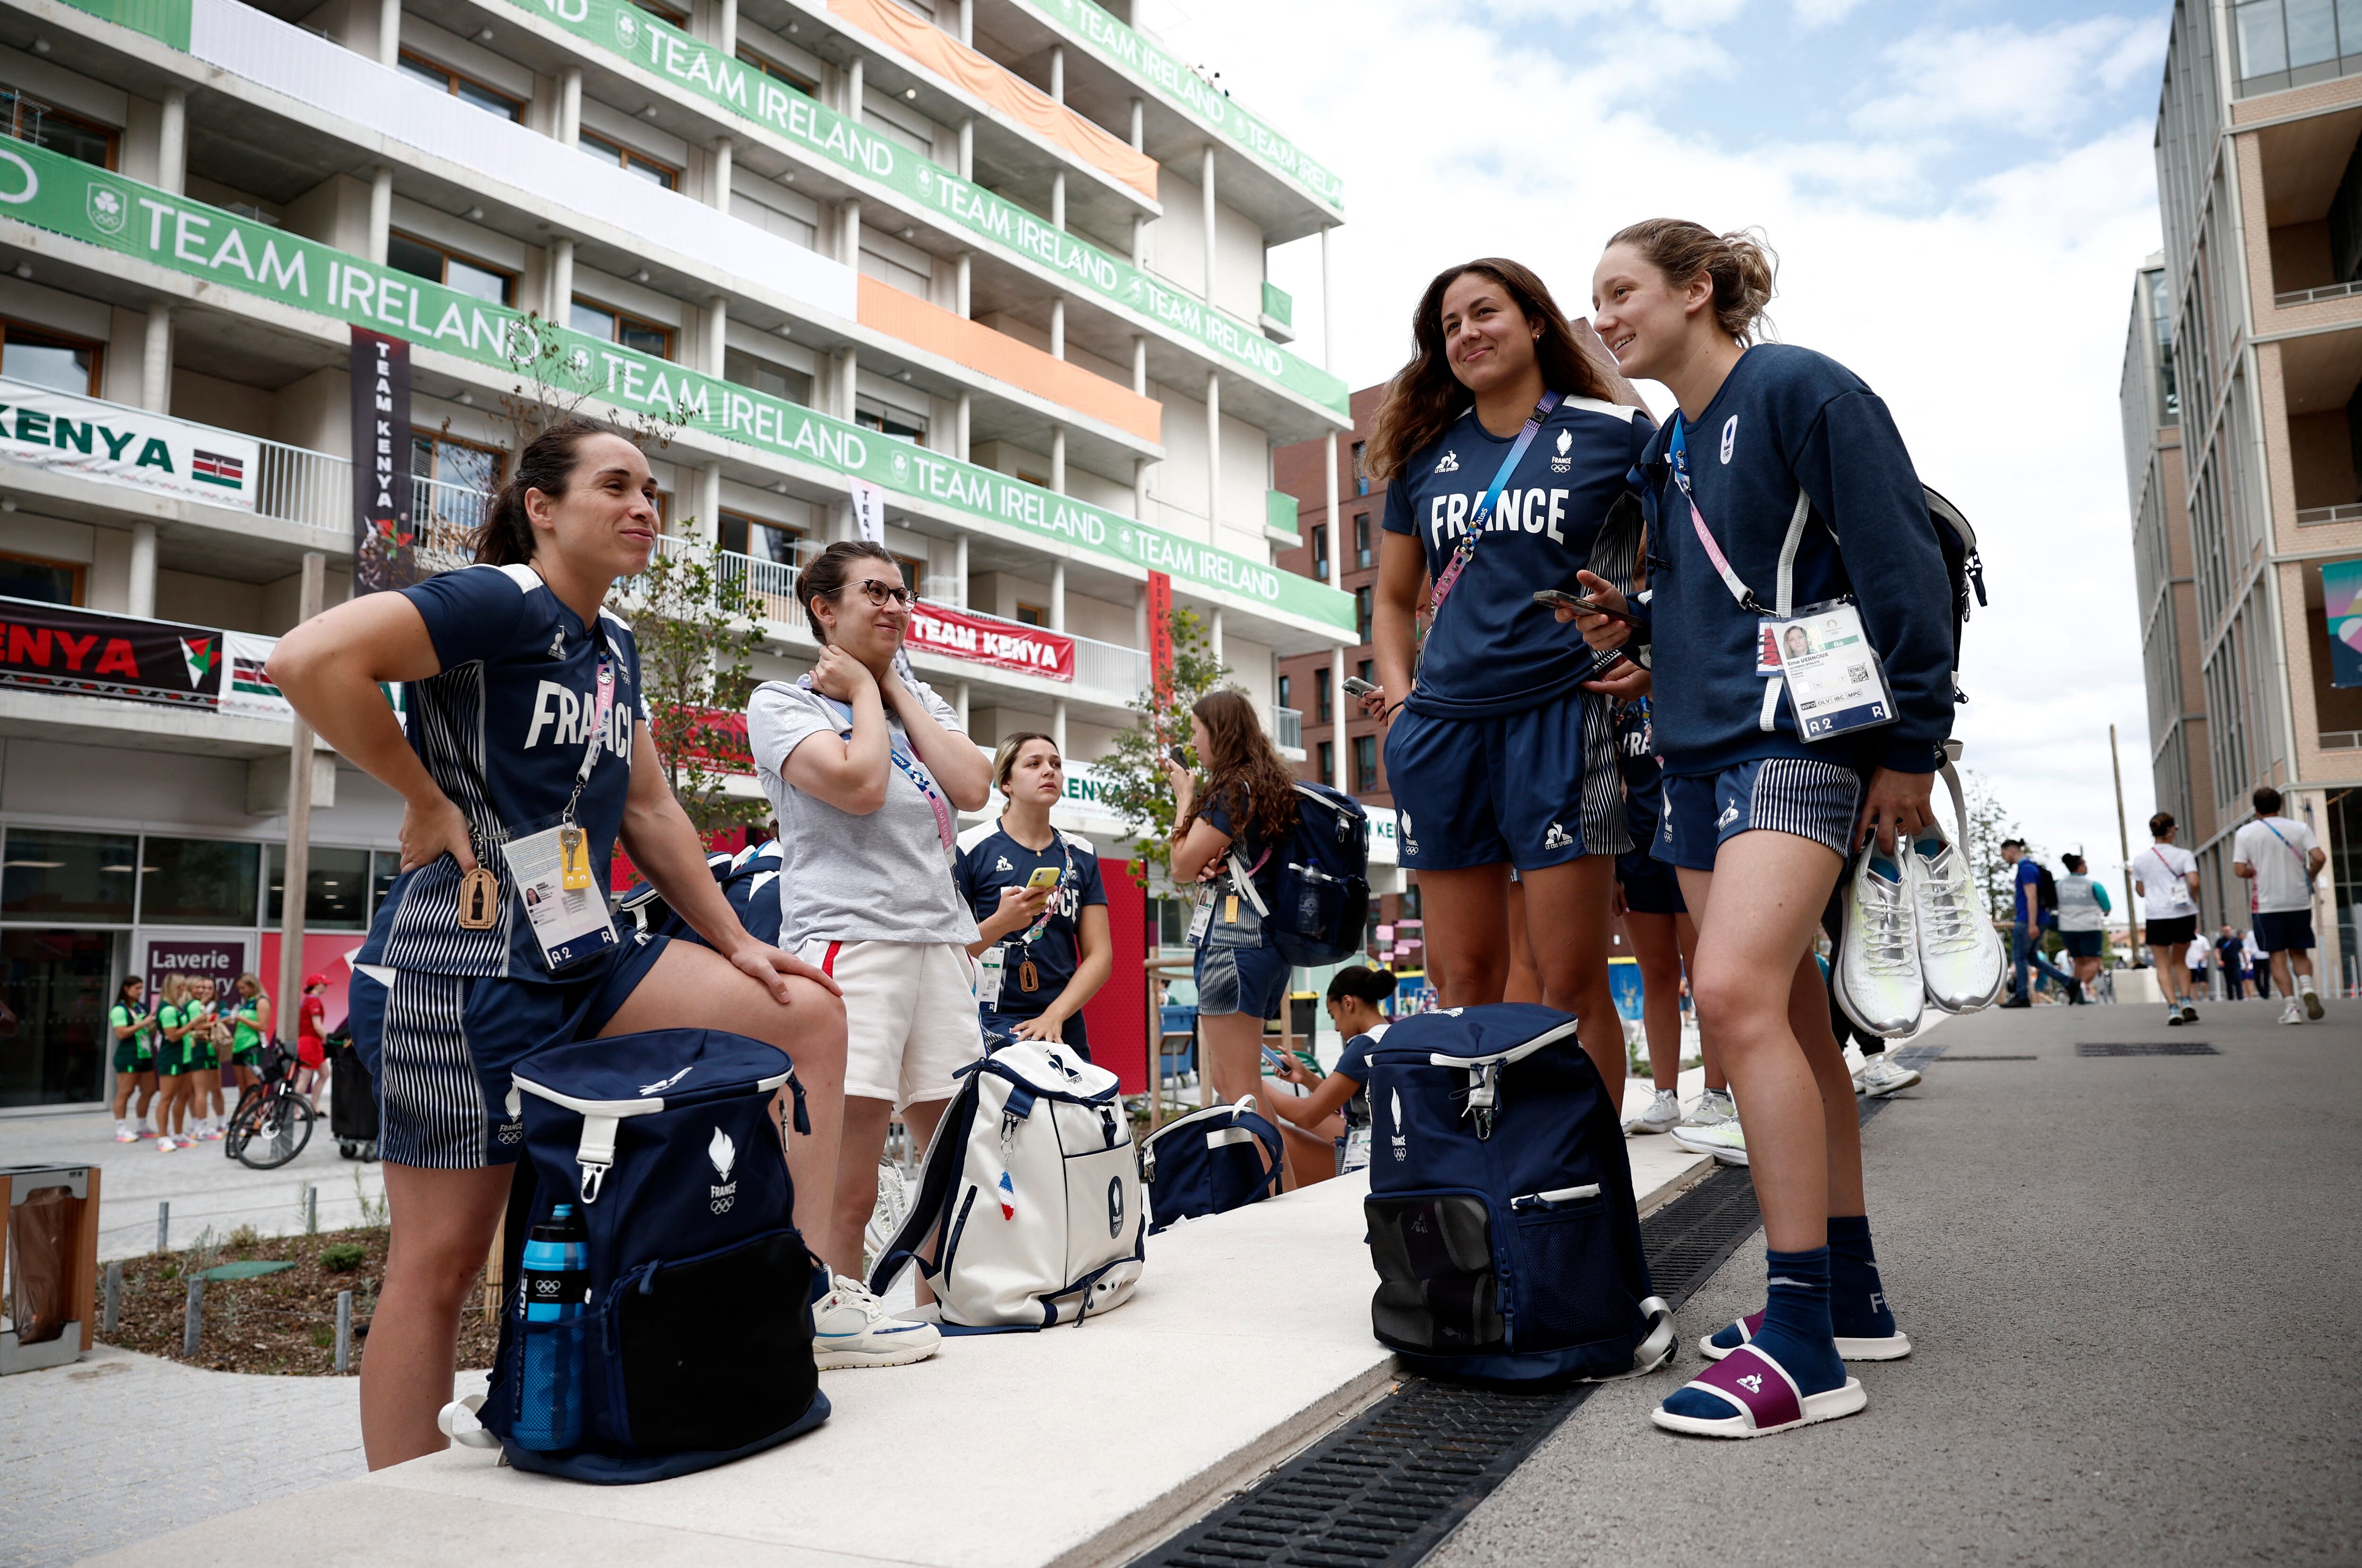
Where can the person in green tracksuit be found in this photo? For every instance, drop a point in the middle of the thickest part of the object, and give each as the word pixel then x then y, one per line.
pixel 212 1036
pixel 249 1017
pixel 173 1063
pixel 135 1056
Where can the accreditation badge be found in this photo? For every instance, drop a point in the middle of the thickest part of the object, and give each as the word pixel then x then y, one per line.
pixel 1836 683
pixel 570 923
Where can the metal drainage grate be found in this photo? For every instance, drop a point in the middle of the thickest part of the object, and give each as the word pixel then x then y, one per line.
pixel 1387 1488
pixel 2145 1048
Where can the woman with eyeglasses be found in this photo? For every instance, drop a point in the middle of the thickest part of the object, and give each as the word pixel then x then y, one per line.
pixel 867 771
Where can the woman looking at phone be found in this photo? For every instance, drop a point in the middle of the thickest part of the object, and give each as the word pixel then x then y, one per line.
pixel 1037 898
pixel 1506 452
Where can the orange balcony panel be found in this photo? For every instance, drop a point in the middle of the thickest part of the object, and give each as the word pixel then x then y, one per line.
pixel 911 319
pixel 1013 95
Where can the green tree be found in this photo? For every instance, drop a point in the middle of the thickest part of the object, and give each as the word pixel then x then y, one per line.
pixel 1989 822
pixel 698 629
pixel 1133 774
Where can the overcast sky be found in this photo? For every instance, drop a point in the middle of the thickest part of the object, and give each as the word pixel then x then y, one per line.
pixel 1958 195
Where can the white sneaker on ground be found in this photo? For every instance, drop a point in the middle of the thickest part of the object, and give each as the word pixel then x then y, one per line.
pixel 2293 1012
pixel 1662 1113
pixel 852 1328
pixel 1878 979
pixel 166 1146
pixel 2173 1014
pixel 2311 999
pixel 125 1135
pixel 1882 1076
pixel 1724 1140
pixel 1712 1109
pixel 1960 956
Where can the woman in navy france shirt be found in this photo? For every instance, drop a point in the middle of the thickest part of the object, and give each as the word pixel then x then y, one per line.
pixel 1055 949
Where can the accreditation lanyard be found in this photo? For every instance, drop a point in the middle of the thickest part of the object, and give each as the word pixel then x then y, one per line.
pixel 551 867
pixel 1463 550
pixel 1678 452
pixel 907 762
pixel 1050 905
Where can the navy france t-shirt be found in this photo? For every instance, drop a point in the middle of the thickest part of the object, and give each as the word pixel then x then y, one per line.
pixel 1492 650
pixel 503 729
pixel 990 860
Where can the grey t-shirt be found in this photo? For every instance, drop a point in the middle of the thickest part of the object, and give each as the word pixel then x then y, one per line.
pixel 880 878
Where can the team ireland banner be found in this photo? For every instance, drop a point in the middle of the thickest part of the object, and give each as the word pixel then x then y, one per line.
pixel 41 427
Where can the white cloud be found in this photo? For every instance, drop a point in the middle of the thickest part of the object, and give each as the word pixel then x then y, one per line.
pixel 2038 81
pixel 1821 13
pixel 1991 317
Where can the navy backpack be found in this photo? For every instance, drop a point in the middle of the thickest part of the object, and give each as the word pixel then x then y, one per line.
pixel 749 880
pixel 1321 906
pixel 696 1334
pixel 1211 1161
pixel 1501 1217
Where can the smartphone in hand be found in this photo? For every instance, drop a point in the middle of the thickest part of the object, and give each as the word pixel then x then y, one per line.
pixel 1045 877
pixel 1179 760
pixel 1559 599
pixel 1357 687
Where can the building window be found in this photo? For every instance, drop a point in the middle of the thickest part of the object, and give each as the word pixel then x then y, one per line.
pixel 1361 539
pixel 72 876
pixel 890 423
pixel 1368 671
pixel 48 358
pixel 646 168
pixel 914 577
pixel 778 72
pixel 28 120
pixel 762 376
pixel 1362 602
pixel 1328 761
pixel 1360 468
pixel 1365 762
pixel 1320 554
pixel 198 881
pixel 45 582
pixel 1325 693
pixel 615 326
pixel 453 481
pixel 336 889
pixel 1286 687
pixel 1032 615
pixel 758 540
pixel 673 14
pixel 423 259
pixel 491 100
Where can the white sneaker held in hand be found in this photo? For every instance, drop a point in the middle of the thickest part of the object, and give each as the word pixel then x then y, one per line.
pixel 852 1328
pixel 1960 959
pixel 1877 978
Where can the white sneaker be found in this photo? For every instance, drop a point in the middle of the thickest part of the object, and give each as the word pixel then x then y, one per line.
pixel 2311 999
pixel 1712 1109
pixel 1879 983
pixel 1882 1076
pixel 1960 956
pixel 2173 1014
pixel 2189 1013
pixel 1662 1113
pixel 166 1146
pixel 1724 1140
pixel 125 1135
pixel 851 1328
pixel 2293 1012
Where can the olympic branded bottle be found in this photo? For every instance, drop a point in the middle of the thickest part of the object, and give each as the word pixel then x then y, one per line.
pixel 557 1275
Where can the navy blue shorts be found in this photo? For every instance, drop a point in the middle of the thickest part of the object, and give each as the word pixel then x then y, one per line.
pixel 1252 980
pixel 2284 931
pixel 1071 1033
pixel 1782 794
pixel 2080 944
pixel 1651 886
pixel 1534 788
pixel 439 1049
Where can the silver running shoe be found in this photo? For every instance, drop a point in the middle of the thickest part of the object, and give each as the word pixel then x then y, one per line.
pixel 1663 1111
pixel 1878 977
pixel 1711 1109
pixel 1960 956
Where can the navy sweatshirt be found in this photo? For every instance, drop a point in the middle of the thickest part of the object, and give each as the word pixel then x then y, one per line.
pixel 1785 416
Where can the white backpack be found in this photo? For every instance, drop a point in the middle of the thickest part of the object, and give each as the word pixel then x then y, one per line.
pixel 1029 1194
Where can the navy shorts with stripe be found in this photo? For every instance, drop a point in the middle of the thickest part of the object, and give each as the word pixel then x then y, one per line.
pixel 439 1049
pixel 1251 980
pixel 2283 931
pixel 1537 788
pixel 1780 794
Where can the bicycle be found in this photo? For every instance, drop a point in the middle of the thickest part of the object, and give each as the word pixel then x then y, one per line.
pixel 272 1123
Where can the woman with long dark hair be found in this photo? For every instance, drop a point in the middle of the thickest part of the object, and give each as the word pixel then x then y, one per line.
pixel 525 723
pixel 1506 452
pixel 1224 833
pixel 134 1027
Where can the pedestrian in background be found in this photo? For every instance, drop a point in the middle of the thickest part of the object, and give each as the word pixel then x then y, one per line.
pixel 2258 968
pixel 2083 910
pixel 310 1044
pixel 2231 957
pixel 2165 874
pixel 134 1027
pixel 2027 918
pixel 2279 857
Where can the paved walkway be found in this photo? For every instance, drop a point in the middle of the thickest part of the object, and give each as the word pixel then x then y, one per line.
pixel 2133 1287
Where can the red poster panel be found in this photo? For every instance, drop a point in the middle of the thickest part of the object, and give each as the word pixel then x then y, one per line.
pixel 325 953
pixel 1118 1017
pixel 1160 632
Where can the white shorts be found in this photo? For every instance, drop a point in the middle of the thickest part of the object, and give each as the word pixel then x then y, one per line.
pixel 909 1016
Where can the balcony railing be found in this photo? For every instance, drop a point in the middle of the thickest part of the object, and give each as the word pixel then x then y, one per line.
pixel 2311 296
pixel 2341 740
pixel 2312 516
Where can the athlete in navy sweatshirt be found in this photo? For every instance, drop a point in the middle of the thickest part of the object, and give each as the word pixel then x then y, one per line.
pixel 1758 818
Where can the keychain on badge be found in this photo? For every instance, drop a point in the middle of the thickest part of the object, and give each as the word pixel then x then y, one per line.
pixel 479 897
pixel 574 859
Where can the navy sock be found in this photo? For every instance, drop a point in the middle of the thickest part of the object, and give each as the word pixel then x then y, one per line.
pixel 1795 1333
pixel 1858 1309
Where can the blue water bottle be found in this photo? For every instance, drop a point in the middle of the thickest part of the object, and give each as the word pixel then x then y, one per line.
pixel 557 1277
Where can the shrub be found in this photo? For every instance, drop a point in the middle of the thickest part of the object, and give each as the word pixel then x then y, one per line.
pixel 243 1239
pixel 343 1257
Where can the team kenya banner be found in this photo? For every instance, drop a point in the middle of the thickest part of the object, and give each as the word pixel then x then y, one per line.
pixel 43 428
pixel 694 66
pixel 939 629
pixel 51 191
pixel 55 647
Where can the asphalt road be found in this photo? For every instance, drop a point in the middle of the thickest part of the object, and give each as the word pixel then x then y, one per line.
pixel 2133 1287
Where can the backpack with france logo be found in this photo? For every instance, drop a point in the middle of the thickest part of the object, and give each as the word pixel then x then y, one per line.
pixel 1028 1203
pixel 694 1345
pixel 1501 1217
pixel 1213 1160
pixel 1320 902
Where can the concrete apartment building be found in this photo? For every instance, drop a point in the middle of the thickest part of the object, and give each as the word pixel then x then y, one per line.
pixel 2243 429
pixel 1004 259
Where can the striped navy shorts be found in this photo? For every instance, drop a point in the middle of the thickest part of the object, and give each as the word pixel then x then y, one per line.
pixel 1780 794
pixel 439 1049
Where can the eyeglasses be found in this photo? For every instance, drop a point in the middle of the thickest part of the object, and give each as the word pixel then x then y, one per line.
pixel 879 593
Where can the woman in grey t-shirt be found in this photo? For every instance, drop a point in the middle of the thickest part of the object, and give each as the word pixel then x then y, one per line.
pixel 866 772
